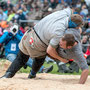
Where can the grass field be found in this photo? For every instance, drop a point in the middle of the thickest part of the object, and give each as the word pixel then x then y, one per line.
pixel 54 71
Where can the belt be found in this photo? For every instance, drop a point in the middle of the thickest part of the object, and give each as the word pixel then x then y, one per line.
pixel 37 35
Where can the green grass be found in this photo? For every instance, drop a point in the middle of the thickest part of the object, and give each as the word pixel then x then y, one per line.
pixel 54 71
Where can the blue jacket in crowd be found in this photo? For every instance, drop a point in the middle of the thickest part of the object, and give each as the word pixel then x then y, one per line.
pixel 11 42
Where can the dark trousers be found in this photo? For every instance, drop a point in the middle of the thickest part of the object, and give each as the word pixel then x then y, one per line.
pixel 18 63
pixel 21 60
pixel 37 63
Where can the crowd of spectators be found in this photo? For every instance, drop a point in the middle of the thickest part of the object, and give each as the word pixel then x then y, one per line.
pixel 27 10
pixel 37 9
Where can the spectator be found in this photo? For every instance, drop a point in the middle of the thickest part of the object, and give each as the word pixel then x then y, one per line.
pixel 3 16
pixel 11 15
pixel 53 3
pixel 3 24
pixel 88 53
pixel 88 49
pixel 25 11
pixel 84 11
pixel 87 32
pixel 84 41
pixel 21 16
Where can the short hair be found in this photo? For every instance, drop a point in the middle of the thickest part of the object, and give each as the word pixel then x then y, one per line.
pixel 77 19
pixel 69 38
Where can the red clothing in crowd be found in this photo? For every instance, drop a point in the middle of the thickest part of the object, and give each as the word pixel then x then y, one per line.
pixel 23 31
pixel 88 51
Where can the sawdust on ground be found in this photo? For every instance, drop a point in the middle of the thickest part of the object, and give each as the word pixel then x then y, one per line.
pixel 43 81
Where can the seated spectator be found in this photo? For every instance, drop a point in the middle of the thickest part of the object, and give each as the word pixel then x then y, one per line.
pixel 5 10
pixel 84 41
pixel 25 11
pixel 21 16
pixel 87 32
pixel 3 16
pixel 53 3
pixel 11 15
pixel 88 53
pixel 3 24
pixel 84 11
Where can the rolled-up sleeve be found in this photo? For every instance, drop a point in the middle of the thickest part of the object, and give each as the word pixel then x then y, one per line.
pixel 54 42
